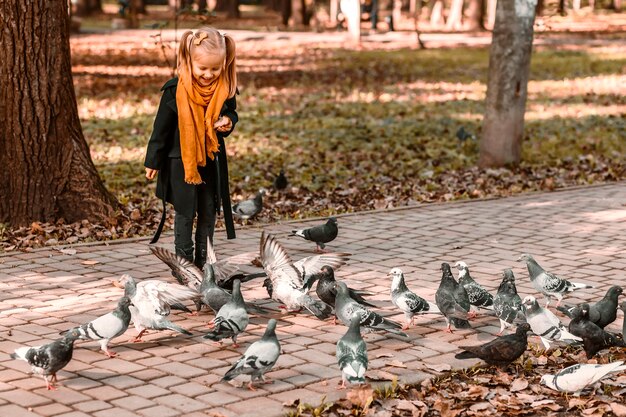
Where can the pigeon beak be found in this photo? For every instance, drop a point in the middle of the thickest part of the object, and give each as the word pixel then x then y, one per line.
pixel 117 284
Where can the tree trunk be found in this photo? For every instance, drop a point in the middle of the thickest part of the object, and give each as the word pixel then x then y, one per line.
pixel 540 7
pixel 491 14
pixel 561 7
pixel 46 169
pixel 351 9
pixel 617 5
pixel 436 14
pixel 285 12
pixel 509 65
pixel 87 7
pixel 454 21
pixel 474 15
pixel 297 13
pixel 333 11
pixel 138 6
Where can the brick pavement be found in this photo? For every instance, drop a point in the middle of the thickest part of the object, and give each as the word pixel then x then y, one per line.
pixel 578 233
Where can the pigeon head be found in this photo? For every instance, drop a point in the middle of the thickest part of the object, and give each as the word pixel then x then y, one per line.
pixel 342 288
pixel 525 258
pixel 124 302
pixel 128 283
pixel 328 271
pixel 584 310
pixel 530 303
pixel 547 380
pixel 523 328
pixel 237 291
pixel 396 277
pixel 461 266
pixel 270 330
pixel 508 275
pixel 332 220
pixel 447 272
pixel 355 322
pixel 614 292
pixel 72 334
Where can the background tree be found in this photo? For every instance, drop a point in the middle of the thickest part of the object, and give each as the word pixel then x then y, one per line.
pixel 86 7
pixel 509 65
pixel 46 172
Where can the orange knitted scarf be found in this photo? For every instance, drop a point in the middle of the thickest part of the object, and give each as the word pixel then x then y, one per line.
pixel 198 109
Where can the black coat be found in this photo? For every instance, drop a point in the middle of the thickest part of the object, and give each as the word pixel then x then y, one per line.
pixel 164 154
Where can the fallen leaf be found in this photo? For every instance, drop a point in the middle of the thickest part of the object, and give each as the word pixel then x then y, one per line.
pixel 90 262
pixel 576 402
pixel 445 408
pixel 518 384
pixel 618 409
pixel 405 405
pixel 379 375
pixel 440 367
pixel 384 355
pixel 396 364
pixel 292 403
pixel 480 406
pixel 361 396
pixel 68 251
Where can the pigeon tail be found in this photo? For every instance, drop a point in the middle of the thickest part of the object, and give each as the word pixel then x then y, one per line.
pixel 320 310
pixel 166 324
pixel 465 354
pixel 573 286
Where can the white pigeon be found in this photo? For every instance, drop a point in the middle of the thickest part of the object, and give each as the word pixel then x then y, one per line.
pixel 547 283
pixel 108 326
pixel 152 302
pixel 479 297
pixel 259 358
pixel 410 303
pixel 545 324
pixel 576 378
pixel 287 277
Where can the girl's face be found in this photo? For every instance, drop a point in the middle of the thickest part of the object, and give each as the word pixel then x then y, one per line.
pixel 205 67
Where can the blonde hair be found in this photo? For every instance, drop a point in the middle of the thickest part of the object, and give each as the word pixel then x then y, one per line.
pixel 210 41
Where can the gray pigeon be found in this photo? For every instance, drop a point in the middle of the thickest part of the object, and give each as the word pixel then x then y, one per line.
pixel 321 234
pixel 545 324
pixel 502 350
pixel 247 209
pixel 152 301
pixel 452 300
pixel 212 295
pixel 48 359
pixel 352 354
pixel 594 338
pixel 259 358
pixel 547 283
pixel 231 319
pixel 346 307
pixel 108 326
pixel 602 313
pixel 326 289
pixel 574 379
pixel 507 304
pixel 287 277
pixel 407 301
pixel 478 296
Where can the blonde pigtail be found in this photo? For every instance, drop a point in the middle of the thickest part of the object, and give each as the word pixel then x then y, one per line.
pixel 231 65
pixel 184 52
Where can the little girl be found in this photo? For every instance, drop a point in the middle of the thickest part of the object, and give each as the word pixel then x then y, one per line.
pixel 186 149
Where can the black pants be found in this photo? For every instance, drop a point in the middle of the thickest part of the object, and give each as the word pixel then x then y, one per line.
pixel 183 226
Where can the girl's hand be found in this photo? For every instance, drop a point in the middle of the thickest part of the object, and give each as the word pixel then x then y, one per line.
pixel 151 173
pixel 223 124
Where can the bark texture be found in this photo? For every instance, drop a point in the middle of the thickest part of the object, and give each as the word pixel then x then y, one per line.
pixel 509 64
pixel 47 172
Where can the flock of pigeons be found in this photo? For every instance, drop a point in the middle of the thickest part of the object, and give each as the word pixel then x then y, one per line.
pixel 148 304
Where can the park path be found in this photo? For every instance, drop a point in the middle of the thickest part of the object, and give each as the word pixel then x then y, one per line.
pixel 578 233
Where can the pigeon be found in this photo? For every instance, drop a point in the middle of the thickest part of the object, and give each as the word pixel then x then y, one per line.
pixel 108 326
pixel 452 300
pixel 602 313
pixel 507 304
pixel 502 350
pixel 346 307
pixel 152 301
pixel 545 324
pixel 247 209
pixel 287 277
pixel 225 270
pixel 352 354
pixel 321 234
pixel 574 379
pixel 478 296
pixel 267 284
pixel 462 135
pixel 48 359
pixel 407 301
pixel 326 291
pixel 280 182
pixel 594 338
pixel 547 283
pixel 259 358
pixel 231 319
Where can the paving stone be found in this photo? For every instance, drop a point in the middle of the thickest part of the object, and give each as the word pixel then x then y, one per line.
pixel 24 398
pixel 16 411
pixel 49 410
pixel 133 402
